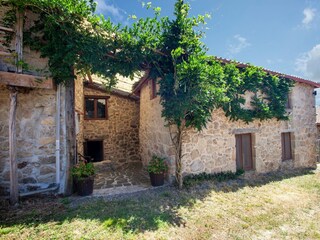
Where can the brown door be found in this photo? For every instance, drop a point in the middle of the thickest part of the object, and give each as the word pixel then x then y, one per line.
pixel 244 152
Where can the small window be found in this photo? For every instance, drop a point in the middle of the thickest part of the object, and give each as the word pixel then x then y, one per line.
pixel 288 102
pixel 286 146
pixel 153 89
pixel 96 107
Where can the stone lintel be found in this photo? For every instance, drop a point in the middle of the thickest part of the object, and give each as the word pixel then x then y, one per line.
pixel 291 130
pixel 244 130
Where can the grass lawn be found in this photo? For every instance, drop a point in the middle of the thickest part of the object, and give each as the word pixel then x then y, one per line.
pixel 273 206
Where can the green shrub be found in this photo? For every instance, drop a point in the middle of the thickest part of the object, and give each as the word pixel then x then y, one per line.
pixel 157 165
pixel 83 170
pixel 220 177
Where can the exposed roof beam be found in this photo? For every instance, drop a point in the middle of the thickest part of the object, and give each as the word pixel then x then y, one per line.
pixel 6 29
pixel 24 80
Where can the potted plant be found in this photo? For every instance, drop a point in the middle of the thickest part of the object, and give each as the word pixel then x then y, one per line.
pixel 83 174
pixel 157 167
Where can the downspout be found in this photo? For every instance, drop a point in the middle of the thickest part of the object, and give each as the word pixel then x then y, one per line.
pixel 58 110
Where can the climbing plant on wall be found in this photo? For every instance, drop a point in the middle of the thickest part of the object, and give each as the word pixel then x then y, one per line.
pixel 192 84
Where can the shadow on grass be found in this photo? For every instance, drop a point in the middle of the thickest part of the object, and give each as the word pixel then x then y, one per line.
pixel 147 211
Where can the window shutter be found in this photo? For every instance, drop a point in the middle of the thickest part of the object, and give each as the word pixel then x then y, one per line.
pixel 286 146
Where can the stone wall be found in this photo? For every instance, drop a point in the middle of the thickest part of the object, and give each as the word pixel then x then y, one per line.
pixel 36 127
pixel 154 136
pixel 213 149
pixel 303 124
pixel 318 113
pixel 79 106
pixel 119 132
pixel 36 124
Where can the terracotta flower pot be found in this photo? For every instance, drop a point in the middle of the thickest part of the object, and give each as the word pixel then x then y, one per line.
pixel 84 186
pixel 157 179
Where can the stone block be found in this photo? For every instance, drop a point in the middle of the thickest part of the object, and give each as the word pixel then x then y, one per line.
pixel 4 189
pixel 44 170
pixel 22 165
pixel 197 166
pixel 28 180
pixel 4 162
pixel 47 160
pixel 195 154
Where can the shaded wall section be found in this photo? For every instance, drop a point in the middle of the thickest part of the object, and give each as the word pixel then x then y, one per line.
pixel 120 132
pixel 79 113
pixel 36 128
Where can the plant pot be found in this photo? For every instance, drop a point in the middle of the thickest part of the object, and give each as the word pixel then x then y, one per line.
pixel 157 179
pixel 84 186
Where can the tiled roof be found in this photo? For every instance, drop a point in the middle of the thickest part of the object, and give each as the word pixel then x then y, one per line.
pixel 294 78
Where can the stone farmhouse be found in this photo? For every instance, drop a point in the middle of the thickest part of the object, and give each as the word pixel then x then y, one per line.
pixel 132 129
pixel 44 128
pixel 225 145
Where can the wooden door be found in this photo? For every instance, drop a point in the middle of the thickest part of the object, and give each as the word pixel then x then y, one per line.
pixel 244 158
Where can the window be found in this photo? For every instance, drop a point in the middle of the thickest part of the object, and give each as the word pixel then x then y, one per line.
pixel 94 149
pixel 288 102
pixel 286 146
pixel 96 107
pixel 153 88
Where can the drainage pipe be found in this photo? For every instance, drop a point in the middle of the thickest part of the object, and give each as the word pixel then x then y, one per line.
pixel 50 189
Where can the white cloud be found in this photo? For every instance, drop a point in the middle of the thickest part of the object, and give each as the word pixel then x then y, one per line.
pixel 239 43
pixel 275 61
pixel 309 16
pixel 104 8
pixel 309 63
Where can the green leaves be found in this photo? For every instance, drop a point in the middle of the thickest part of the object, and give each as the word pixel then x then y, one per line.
pixel 270 94
pixel 83 170
pixel 157 165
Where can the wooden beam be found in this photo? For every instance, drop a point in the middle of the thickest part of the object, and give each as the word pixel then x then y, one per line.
pixel 24 80
pixel 6 54
pixel 89 76
pixel 70 135
pixel 19 40
pixel 6 29
pixel 14 187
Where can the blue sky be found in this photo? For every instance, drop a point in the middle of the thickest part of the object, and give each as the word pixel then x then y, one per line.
pixel 281 35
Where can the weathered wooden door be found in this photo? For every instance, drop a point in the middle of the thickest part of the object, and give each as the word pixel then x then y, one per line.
pixel 244 152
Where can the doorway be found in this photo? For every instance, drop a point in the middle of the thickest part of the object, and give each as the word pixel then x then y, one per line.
pixel 94 149
pixel 244 159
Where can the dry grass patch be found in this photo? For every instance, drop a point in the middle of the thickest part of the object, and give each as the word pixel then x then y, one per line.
pixel 274 206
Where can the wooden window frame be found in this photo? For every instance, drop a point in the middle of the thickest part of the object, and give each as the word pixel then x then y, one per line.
pixel 289 101
pixel 96 98
pixel 153 88
pixel 283 146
